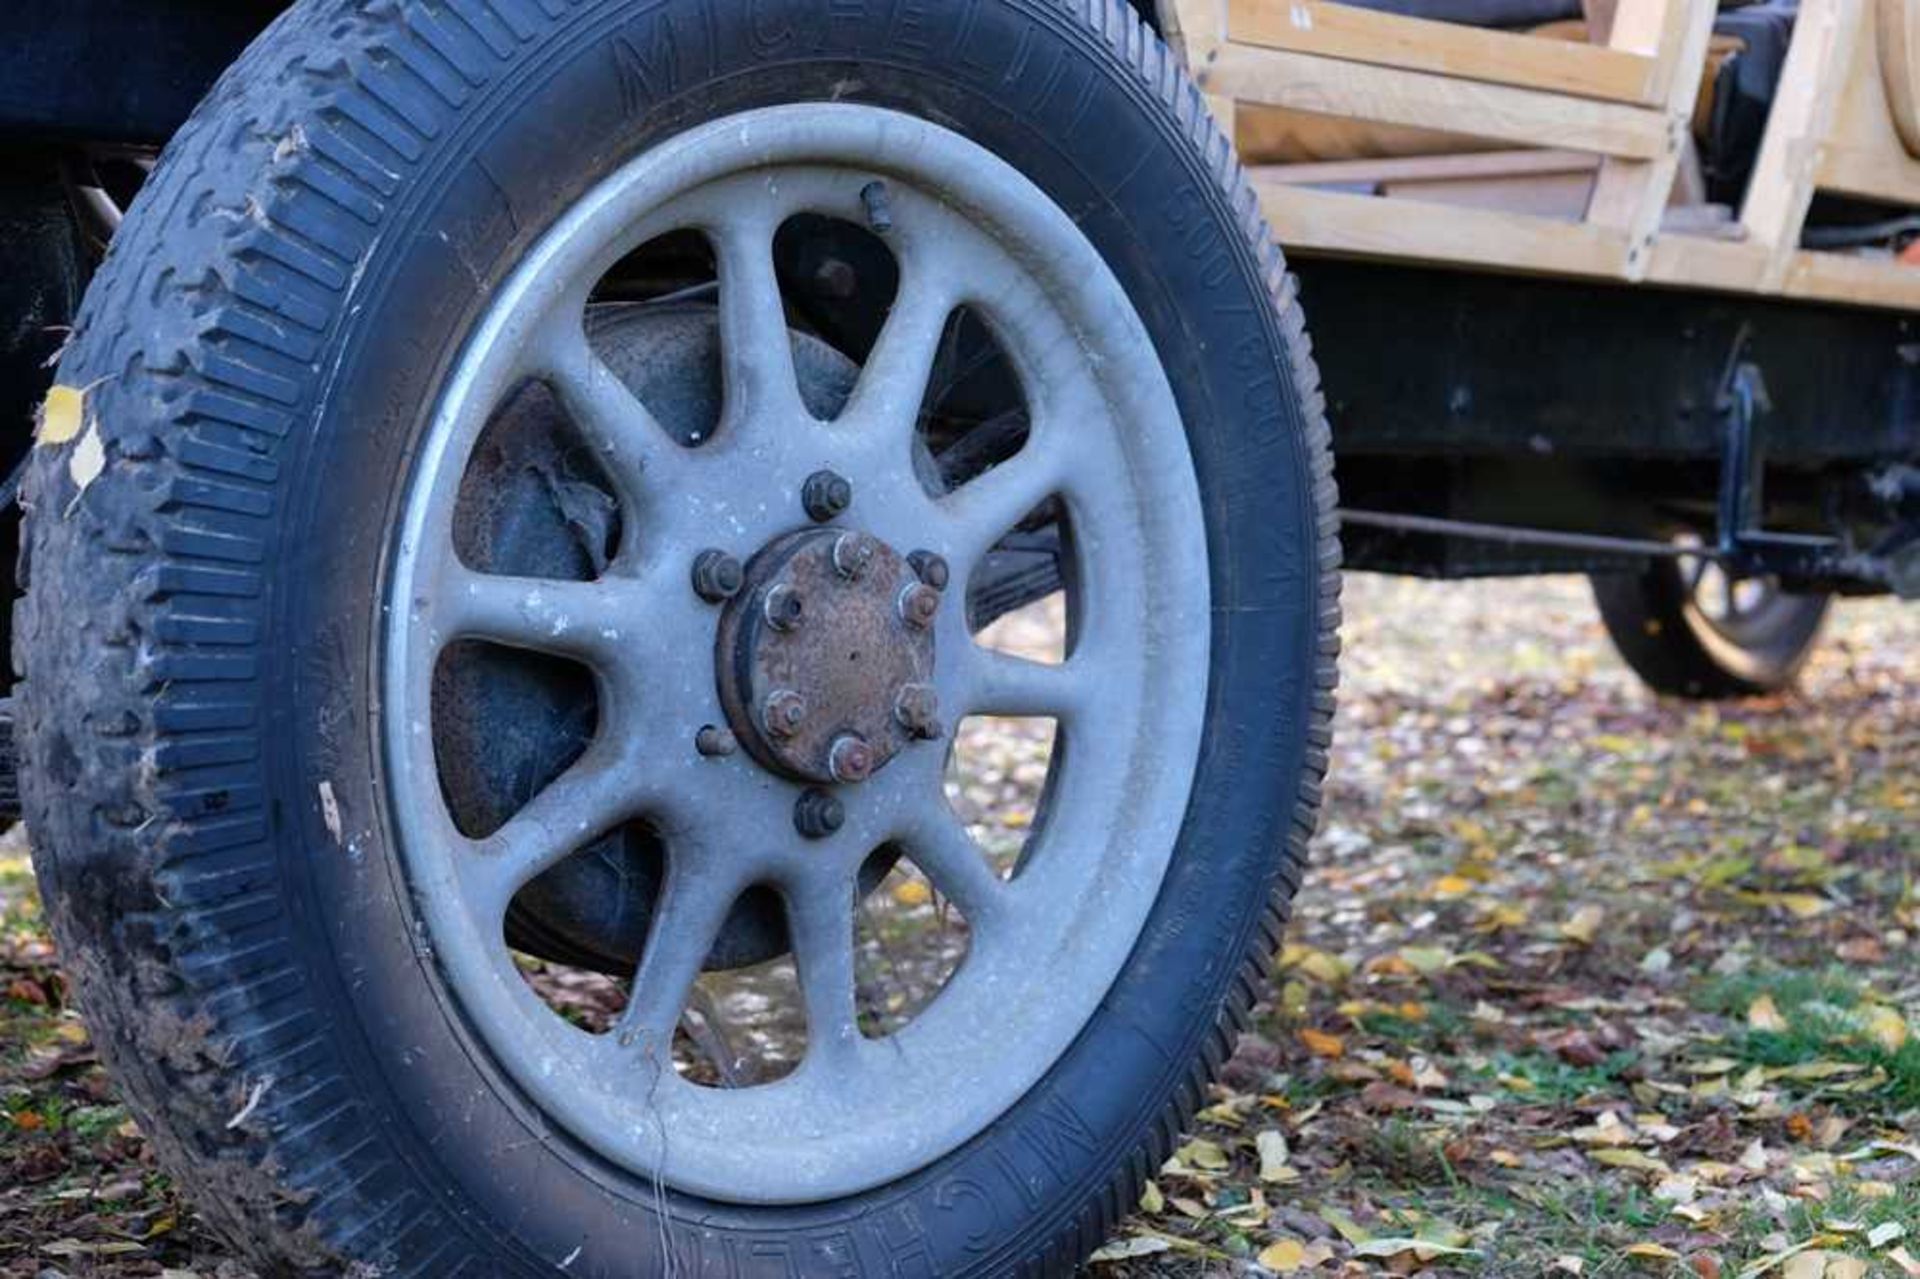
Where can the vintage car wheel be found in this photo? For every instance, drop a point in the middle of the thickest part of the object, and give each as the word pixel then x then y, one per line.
pixel 1689 629
pixel 534 492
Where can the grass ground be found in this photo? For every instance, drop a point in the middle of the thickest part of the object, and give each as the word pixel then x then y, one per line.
pixel 1582 982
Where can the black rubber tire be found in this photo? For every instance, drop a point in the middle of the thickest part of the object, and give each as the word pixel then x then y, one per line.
pixel 1678 653
pixel 198 632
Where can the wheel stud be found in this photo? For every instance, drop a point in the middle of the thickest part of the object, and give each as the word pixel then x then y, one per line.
pixel 852 552
pixel 715 742
pixel 783 607
pixel 717 576
pixel 918 605
pixel 917 707
pixel 826 496
pixel 851 759
pixel 873 197
pixel 817 814
pixel 785 711
pixel 929 568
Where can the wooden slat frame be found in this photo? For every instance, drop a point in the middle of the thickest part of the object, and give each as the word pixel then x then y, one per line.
pixel 1447 48
pixel 1330 86
pixel 1814 141
pixel 1805 107
pixel 1631 194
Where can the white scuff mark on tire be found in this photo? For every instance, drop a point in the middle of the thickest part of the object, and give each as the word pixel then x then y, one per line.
pixel 573 1256
pixel 254 1095
pixel 89 459
pixel 330 810
pixel 293 144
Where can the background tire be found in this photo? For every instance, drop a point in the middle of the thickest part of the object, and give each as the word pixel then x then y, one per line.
pixel 198 640
pixel 1684 646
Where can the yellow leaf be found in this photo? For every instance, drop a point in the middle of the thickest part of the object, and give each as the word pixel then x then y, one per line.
pixel 1151 1200
pixel 1288 1254
pixel 1350 1230
pixel 1321 1044
pixel 61 415
pixel 1762 1014
pixel 1202 1154
pixel 1426 960
pixel 1887 1028
pixel 1272 1145
pixel 1584 926
pixel 1629 1159
pixel 1452 886
pixel 1652 1251
pixel 912 892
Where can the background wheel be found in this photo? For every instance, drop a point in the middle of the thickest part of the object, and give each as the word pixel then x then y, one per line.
pixel 1690 630
pixel 557 496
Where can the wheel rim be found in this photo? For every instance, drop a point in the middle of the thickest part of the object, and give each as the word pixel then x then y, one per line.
pixel 1748 624
pixel 1105 442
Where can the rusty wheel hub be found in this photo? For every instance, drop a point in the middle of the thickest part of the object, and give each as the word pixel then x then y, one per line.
pixel 825 658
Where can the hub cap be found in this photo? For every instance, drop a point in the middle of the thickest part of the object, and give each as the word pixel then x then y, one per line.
pixel 817 651
pixel 817 656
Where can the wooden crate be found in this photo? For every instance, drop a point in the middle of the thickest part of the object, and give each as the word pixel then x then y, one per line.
pixel 1846 119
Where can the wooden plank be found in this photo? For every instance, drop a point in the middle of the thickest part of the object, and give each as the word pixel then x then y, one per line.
pixel 1429 168
pixel 1631 195
pixel 1841 277
pixel 1330 86
pixel 1656 28
pixel 1805 106
pixel 1447 48
pixel 1865 154
pixel 1698 262
pixel 1413 230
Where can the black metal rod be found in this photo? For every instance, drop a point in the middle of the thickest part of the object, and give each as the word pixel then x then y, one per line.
pixel 1513 536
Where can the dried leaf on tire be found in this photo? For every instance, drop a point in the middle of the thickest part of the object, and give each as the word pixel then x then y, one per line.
pixel 61 415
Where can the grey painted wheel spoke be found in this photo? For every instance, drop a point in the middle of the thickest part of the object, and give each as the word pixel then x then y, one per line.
pixel 893 383
pixel 941 846
pixel 996 683
pixel 629 442
pixel 693 905
pixel 584 620
pixel 820 911
pixel 756 350
pixel 593 796
pixel 982 511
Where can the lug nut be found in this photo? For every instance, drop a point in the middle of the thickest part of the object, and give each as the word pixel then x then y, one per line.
pixel 817 814
pixel 852 553
pixel 717 576
pixel 929 568
pixel 785 711
pixel 714 742
pixel 826 496
pixel 851 759
pixel 783 607
pixel 918 605
pixel 917 707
